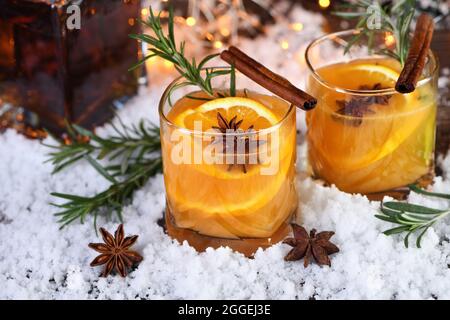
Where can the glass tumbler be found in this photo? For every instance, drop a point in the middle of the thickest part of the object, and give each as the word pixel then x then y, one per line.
pixel 363 136
pixel 234 188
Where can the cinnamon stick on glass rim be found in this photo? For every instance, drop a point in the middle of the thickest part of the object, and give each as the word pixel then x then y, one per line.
pixel 417 55
pixel 268 79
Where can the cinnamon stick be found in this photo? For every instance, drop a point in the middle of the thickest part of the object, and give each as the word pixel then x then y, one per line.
pixel 417 55
pixel 268 79
pixel 249 60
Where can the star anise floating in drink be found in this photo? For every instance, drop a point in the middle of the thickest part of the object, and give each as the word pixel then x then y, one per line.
pixel 358 107
pixel 115 252
pixel 245 138
pixel 312 245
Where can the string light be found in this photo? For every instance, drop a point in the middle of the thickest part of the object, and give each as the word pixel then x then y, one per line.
pixel 191 21
pixel 220 20
pixel 389 39
pixel 324 3
pixel 298 26
pixel 224 18
pixel 144 12
pixel 284 45
pixel 225 32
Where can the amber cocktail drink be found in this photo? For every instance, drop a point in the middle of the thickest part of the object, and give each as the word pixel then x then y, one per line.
pixel 229 167
pixel 364 137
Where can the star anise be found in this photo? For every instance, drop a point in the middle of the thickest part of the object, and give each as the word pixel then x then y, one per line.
pixel 115 252
pixel 358 107
pixel 230 146
pixel 317 246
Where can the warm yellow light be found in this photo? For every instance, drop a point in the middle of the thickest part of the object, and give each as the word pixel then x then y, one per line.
pixel 209 36
pixel 284 45
pixel 298 26
pixel 225 32
pixel 218 44
pixel 190 21
pixel 144 12
pixel 131 22
pixel 389 39
pixel 324 3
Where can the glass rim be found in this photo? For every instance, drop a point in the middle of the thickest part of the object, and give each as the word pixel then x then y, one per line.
pixel 388 91
pixel 163 117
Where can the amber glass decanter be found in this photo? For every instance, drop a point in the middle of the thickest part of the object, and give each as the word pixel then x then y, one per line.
pixel 57 70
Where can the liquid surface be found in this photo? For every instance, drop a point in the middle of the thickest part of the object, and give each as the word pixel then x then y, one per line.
pixel 370 143
pixel 226 201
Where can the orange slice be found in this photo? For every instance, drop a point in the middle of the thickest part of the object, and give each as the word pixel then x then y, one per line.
pixel 248 110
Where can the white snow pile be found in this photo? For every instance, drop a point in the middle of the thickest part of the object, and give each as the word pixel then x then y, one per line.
pixel 39 261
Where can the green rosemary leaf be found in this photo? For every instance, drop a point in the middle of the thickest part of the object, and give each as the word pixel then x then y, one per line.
pixel 141 62
pixel 389 212
pixel 207 59
pixel 407 207
pixel 219 73
pixel 406 240
pixel 395 17
pixel 414 218
pixel 416 189
pixel 125 161
pixel 110 200
pixel 233 81
pixel 69 196
pixel 404 220
pixel 352 42
pixel 100 169
pixel 60 165
pixel 80 130
pixel 69 128
pixel 166 48
pixel 136 148
pixel 396 230
pixel 385 218
pixel 349 14
pixel 197 98
pixel 411 217
pixel 171 29
pixel 419 238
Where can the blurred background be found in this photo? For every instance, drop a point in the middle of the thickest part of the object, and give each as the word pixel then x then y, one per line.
pixel 50 73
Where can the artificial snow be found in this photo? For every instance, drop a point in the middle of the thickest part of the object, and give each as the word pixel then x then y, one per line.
pixel 39 261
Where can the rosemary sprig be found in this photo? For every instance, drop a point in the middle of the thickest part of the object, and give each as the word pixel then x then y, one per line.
pixel 412 218
pixel 130 144
pixel 395 18
pixel 136 151
pixel 165 47
pixel 110 200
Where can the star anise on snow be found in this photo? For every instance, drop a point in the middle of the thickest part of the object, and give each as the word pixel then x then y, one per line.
pixel 243 137
pixel 358 107
pixel 312 245
pixel 115 252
